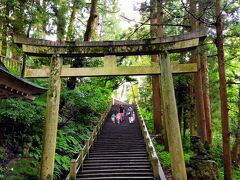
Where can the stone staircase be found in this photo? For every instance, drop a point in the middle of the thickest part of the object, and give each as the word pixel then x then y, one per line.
pixel 119 152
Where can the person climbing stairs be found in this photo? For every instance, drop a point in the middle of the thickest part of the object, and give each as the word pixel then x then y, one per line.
pixel 119 152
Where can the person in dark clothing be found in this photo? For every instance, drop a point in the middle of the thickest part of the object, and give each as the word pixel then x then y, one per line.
pixel 130 114
pixel 122 111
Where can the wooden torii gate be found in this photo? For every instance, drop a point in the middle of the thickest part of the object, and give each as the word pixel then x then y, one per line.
pixel 59 49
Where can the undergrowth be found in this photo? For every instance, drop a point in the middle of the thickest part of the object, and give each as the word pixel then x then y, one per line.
pixel 22 122
pixel 164 156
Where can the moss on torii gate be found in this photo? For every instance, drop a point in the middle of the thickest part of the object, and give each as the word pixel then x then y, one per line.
pixel 59 49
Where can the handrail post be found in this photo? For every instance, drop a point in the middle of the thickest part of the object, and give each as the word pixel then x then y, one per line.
pixel 81 154
pixel 87 147
pixel 150 149
pixel 147 143
pixel 23 66
pixel 73 169
pixel 155 168
pixel 145 134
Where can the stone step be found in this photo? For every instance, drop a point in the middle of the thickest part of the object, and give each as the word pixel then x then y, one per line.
pixel 116 170
pixel 118 155
pixel 114 164
pixel 113 158
pixel 89 167
pixel 114 174
pixel 123 147
pixel 116 160
pixel 120 144
pixel 116 178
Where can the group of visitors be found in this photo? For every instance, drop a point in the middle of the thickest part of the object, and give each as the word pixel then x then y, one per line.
pixel 121 114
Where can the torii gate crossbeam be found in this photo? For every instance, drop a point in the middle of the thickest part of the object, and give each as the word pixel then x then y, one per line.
pixel 172 44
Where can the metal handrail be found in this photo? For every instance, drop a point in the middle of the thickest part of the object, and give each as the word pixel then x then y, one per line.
pixel 77 163
pixel 156 166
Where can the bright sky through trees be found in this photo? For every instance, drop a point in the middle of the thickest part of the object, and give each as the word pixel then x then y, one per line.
pixel 128 9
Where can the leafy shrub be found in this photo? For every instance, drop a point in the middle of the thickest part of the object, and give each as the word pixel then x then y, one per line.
pixel 165 158
pixel 2 154
pixel 19 117
pixel 148 118
pixel 21 169
pixel 2 170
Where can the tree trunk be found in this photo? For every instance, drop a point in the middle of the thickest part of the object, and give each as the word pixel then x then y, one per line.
pixel 4 31
pixel 180 118
pixel 157 31
pixel 198 81
pixel 236 146
pixel 61 21
pixel 191 112
pixel 223 93
pixel 44 24
pixel 40 26
pixel 236 150
pixel 71 82
pixel 164 119
pixel 1 33
pixel 91 25
pixel 205 82
pixel 71 22
pixel 206 98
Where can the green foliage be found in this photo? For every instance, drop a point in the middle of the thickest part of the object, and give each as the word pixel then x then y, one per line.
pixel 2 170
pixel 21 169
pixel 2 154
pixel 148 118
pixel 236 174
pixel 86 102
pixel 163 155
pixel 165 158
pixel 22 118
pixel 20 111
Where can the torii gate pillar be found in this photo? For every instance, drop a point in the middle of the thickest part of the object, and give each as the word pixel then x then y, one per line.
pixel 172 125
pixel 51 122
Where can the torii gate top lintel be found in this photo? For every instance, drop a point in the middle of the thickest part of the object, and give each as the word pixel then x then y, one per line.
pixel 40 47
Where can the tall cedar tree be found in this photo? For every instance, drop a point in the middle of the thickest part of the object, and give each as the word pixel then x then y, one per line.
pixel 223 92
pixel 236 146
pixel 198 79
pixel 205 79
pixel 91 25
pixel 157 31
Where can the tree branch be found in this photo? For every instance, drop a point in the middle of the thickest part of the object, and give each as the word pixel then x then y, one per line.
pixel 197 18
pixel 155 24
